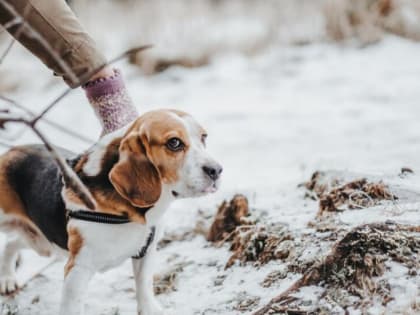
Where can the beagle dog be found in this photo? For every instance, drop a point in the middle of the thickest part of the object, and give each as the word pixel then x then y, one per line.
pixel 133 173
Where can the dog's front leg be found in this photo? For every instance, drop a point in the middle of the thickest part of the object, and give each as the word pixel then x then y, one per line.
pixel 74 290
pixel 147 304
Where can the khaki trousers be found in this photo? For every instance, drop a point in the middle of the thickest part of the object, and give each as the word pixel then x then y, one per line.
pixel 56 23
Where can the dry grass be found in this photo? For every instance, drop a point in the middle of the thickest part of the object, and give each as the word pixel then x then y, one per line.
pixel 166 281
pixel 260 244
pixel 249 241
pixel 354 266
pixel 191 33
pixel 335 196
pixel 369 20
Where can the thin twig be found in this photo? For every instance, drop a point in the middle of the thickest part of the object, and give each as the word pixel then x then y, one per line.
pixel 7 50
pixel 71 180
pixel 238 228
pixel 50 106
pixel 69 131
pixel 4 144
pixel 30 31
pixel 15 21
pixel 129 52
pixel 355 204
pixel 16 35
pixel 48 121
pixel 87 76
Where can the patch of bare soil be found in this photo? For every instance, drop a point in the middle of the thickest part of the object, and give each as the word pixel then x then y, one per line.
pixel 334 196
pixel 350 273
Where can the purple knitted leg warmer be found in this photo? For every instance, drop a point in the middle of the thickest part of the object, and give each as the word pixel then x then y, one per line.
pixel 109 98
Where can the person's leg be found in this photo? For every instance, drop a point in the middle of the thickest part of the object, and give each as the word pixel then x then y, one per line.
pixel 65 41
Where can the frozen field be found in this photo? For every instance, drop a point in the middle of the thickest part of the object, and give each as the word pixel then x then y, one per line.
pixel 272 120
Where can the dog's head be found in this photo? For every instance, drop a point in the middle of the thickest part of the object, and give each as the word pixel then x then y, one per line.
pixel 164 150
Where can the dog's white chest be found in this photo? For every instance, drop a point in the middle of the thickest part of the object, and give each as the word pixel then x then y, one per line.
pixel 108 245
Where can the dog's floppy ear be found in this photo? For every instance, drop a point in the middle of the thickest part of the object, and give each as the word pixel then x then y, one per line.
pixel 134 176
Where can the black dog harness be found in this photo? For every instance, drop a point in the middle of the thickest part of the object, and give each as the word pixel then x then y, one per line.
pixel 106 218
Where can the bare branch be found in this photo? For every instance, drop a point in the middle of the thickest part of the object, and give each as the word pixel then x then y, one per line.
pixel 30 31
pixel 69 131
pixel 50 106
pixel 70 178
pixel 87 76
pixel 4 144
pixel 16 35
pixel 48 121
pixel 15 21
pixel 7 50
pixel 129 52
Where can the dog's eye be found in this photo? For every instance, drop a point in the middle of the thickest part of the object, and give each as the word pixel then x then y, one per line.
pixel 203 138
pixel 175 144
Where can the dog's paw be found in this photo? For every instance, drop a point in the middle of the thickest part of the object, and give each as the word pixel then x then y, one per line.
pixel 8 284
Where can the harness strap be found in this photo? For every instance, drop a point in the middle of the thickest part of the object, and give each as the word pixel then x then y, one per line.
pixel 143 250
pixel 100 217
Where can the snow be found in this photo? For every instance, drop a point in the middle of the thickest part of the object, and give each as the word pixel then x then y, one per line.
pixel 272 120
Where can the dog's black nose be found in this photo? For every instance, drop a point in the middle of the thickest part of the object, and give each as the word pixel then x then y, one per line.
pixel 213 171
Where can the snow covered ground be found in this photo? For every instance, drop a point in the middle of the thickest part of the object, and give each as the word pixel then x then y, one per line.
pixel 272 120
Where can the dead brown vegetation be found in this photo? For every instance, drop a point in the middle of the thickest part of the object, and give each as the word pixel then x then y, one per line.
pixel 356 260
pixel 356 194
pixel 369 20
pixel 229 216
pixel 166 281
pixel 250 242
pixel 260 244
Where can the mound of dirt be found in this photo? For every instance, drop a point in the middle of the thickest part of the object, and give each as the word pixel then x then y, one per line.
pixel 249 242
pixel 229 216
pixel 354 267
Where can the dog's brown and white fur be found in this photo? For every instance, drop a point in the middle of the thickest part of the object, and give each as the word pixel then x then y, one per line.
pixel 158 158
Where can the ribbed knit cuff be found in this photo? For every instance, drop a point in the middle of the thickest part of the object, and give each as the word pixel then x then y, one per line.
pixel 111 102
